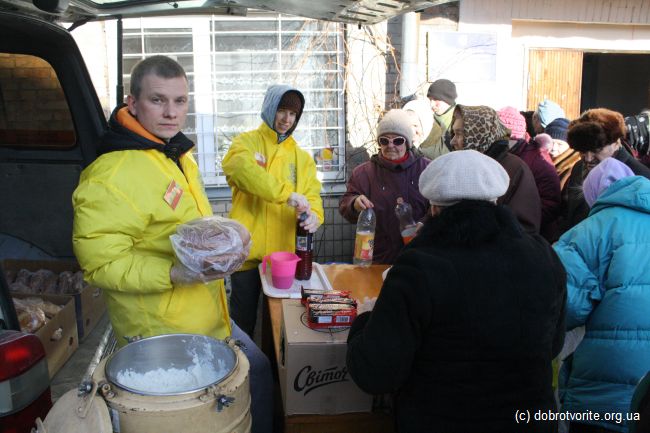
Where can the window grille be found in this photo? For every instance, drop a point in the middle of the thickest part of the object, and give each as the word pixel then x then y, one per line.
pixel 230 61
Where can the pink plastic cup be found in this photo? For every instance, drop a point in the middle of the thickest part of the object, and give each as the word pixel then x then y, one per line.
pixel 283 268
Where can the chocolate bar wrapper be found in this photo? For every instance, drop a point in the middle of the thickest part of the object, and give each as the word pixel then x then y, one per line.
pixel 306 293
pixel 338 303
pixel 326 315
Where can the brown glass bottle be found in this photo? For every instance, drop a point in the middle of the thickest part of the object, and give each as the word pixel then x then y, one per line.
pixel 304 249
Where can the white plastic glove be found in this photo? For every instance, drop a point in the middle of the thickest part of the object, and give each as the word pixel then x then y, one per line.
pixel 298 201
pixel 367 305
pixel 181 274
pixel 311 224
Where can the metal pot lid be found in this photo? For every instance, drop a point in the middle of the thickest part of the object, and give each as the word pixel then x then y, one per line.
pixel 171 364
pixel 70 414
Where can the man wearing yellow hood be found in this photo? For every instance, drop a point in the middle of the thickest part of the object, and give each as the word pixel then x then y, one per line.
pixel 272 181
pixel 144 184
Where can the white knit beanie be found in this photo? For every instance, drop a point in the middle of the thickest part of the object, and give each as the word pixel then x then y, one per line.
pixel 397 122
pixel 463 175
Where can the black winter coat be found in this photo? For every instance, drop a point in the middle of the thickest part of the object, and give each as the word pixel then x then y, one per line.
pixel 466 326
pixel 522 196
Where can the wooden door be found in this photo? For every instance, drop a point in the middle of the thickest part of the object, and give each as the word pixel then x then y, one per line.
pixel 555 75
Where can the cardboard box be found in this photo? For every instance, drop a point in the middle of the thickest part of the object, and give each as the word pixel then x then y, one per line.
pixel 90 307
pixel 89 304
pixel 59 335
pixel 313 376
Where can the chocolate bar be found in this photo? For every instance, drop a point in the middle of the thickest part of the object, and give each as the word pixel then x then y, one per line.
pixel 333 304
pixel 321 294
pixel 325 314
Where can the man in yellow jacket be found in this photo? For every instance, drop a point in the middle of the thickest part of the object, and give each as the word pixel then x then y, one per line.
pixel 272 181
pixel 144 184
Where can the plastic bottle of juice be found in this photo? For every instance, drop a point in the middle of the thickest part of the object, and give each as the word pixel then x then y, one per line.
pixel 407 226
pixel 365 240
pixel 304 250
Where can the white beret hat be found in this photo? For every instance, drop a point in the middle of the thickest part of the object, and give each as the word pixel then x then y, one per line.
pixel 463 175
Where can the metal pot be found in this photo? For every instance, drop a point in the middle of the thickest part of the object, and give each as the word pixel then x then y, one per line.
pixel 179 351
pixel 222 405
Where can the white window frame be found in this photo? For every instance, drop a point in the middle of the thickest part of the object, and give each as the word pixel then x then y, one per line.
pixel 207 153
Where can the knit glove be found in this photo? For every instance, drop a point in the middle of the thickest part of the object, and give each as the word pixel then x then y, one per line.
pixel 298 201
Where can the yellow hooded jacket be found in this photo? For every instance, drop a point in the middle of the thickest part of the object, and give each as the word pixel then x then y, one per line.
pixel 262 174
pixel 122 223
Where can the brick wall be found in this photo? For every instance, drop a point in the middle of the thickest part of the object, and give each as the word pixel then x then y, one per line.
pixel 31 97
pixel 333 242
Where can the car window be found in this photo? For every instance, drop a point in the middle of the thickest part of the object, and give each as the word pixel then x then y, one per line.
pixel 34 112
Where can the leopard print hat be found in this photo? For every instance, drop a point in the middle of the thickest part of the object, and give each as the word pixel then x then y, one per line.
pixel 481 127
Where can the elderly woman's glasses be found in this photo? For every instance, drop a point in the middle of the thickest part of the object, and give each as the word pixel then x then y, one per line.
pixel 397 141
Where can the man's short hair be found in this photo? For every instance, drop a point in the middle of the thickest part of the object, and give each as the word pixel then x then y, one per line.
pixel 161 66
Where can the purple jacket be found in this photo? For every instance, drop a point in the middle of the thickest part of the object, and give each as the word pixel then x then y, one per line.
pixel 522 196
pixel 548 185
pixel 383 182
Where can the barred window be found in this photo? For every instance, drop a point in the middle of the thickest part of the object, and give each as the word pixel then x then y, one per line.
pixel 231 61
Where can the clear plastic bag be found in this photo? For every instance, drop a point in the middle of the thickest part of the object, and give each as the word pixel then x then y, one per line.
pixel 213 247
pixel 30 317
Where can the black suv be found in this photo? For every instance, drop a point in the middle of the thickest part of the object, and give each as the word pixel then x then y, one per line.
pixel 50 123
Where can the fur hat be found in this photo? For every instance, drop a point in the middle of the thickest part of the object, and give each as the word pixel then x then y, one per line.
pixel 291 101
pixel 602 176
pixel 587 137
pixel 612 125
pixel 443 90
pixel 548 111
pixel 396 121
pixel 514 121
pixel 463 175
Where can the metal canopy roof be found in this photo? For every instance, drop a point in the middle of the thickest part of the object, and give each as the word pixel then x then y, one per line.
pixel 345 11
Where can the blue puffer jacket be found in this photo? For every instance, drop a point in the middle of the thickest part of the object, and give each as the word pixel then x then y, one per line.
pixel 607 259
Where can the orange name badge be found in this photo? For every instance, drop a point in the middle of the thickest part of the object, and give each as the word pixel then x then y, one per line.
pixel 260 159
pixel 173 194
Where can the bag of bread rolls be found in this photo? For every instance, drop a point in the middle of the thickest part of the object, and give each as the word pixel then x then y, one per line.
pixel 212 246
